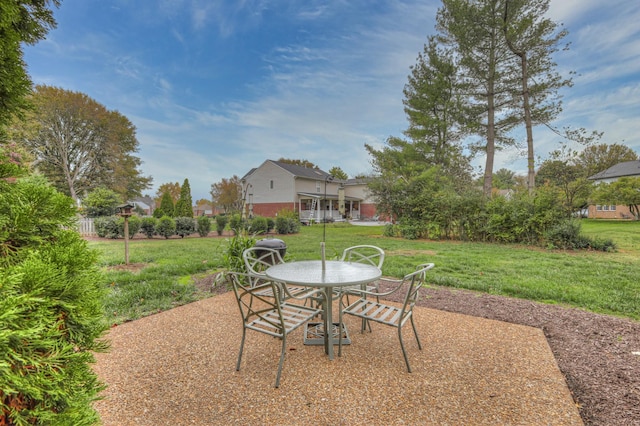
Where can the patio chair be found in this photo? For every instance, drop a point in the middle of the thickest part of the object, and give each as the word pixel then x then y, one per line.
pixel 386 314
pixel 259 259
pixel 368 254
pixel 269 315
pixel 371 255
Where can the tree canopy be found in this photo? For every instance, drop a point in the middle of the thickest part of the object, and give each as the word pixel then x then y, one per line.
pixel 21 21
pixel 228 194
pixel 79 145
pixel 184 206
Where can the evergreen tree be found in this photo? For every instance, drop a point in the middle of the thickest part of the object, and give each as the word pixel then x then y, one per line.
pixel 166 205
pixel 184 206
pixel 51 300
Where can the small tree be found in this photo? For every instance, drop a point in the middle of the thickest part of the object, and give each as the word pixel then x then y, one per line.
pixel 166 205
pixel 184 205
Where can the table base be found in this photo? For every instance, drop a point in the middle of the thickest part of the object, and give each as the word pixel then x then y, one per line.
pixel 314 333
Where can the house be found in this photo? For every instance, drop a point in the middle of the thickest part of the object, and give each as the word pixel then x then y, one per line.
pixel 145 203
pixel 624 169
pixel 312 193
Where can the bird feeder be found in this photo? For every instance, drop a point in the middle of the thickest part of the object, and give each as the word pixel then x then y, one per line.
pixel 125 211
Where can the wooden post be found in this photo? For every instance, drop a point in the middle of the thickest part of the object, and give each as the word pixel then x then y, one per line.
pixel 126 240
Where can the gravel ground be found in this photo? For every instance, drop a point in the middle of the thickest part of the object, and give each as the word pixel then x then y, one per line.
pixel 178 368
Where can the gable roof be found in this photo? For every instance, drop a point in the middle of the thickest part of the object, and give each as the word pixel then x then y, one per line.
pixel 627 168
pixel 300 171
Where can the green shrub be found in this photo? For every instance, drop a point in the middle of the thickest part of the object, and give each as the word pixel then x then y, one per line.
pixel 185 226
pixel 259 225
pixel 271 224
pixel 51 309
pixel 221 223
pixel 287 222
pixel 238 224
pixel 107 227
pixel 204 226
pixel 390 230
pixel 566 235
pixel 166 227
pixel 148 226
pixel 134 226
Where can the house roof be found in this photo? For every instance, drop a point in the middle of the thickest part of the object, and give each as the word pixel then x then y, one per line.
pixel 627 168
pixel 300 171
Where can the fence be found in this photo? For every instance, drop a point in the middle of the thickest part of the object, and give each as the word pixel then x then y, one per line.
pixel 86 228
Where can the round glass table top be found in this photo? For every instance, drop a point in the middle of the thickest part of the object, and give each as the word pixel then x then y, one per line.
pixel 336 273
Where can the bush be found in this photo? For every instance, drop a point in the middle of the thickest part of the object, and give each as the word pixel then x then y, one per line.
pixel 51 307
pixel 271 224
pixel 287 222
pixel 237 224
pixel 566 235
pixel 221 223
pixel 107 227
pixel 204 226
pixel 390 230
pixel 166 227
pixel 134 226
pixel 185 226
pixel 148 226
pixel 259 225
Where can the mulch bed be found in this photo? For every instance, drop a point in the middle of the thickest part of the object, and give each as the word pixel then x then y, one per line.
pixel 598 354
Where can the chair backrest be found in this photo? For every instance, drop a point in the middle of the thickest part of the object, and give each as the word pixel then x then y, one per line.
pixel 259 312
pixel 414 281
pixel 371 255
pixel 258 259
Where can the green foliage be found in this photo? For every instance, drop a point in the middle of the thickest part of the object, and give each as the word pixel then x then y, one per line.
pixel 21 21
pixel 100 202
pixel 148 226
pixel 134 226
pixel 31 212
pixel 221 223
pixel 158 213
pixel 235 246
pixel 259 225
pixel 204 226
pixel 166 205
pixel 287 222
pixel 238 224
pixel 183 207
pixel 107 227
pixel 271 224
pixel 166 227
pixel 51 316
pixel 567 235
pixel 185 226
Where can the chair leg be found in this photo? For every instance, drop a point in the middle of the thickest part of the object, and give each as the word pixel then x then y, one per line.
pixel 244 333
pixel 284 347
pixel 404 352
pixel 340 325
pixel 415 332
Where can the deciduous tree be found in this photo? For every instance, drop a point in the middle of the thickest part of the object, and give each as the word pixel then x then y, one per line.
pixel 79 145
pixel 228 194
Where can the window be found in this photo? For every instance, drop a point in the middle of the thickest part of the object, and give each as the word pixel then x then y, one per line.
pixel 271 184
pixel 599 207
pixel 317 187
pixel 613 208
pixel 605 208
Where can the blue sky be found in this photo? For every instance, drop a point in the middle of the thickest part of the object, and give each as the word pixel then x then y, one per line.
pixel 214 88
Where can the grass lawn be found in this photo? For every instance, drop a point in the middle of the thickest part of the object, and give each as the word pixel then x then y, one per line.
pixel 600 282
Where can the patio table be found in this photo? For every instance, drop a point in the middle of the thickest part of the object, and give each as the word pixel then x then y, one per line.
pixel 334 274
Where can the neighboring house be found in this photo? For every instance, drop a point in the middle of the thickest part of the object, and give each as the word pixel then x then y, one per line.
pixel 312 193
pixel 145 203
pixel 625 169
